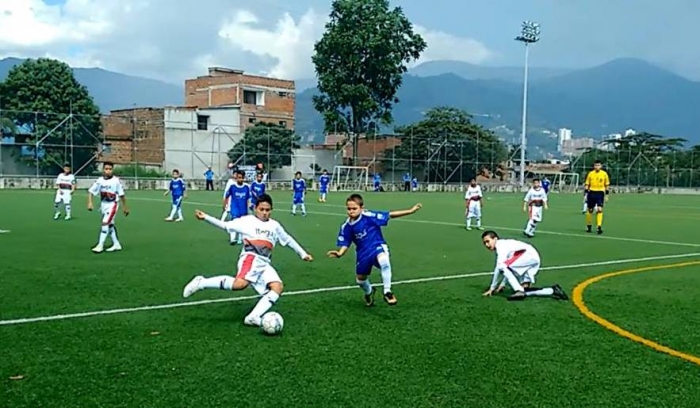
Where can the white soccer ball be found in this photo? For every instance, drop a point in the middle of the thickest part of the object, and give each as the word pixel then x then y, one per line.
pixel 272 323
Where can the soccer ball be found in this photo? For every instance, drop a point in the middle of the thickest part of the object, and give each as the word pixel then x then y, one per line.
pixel 272 323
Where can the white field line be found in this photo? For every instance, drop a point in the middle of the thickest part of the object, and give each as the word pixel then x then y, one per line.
pixel 319 290
pixel 563 234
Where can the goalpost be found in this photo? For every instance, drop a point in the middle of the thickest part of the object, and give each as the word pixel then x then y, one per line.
pixel 566 182
pixel 350 178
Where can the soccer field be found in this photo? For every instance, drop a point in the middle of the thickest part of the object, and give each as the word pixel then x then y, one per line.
pixel 112 330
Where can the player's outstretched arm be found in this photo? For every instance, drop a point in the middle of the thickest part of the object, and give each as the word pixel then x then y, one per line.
pixel 403 213
pixel 337 253
pixel 287 240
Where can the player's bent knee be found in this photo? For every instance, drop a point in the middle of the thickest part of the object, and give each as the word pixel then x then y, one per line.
pixel 276 287
pixel 361 278
pixel 239 284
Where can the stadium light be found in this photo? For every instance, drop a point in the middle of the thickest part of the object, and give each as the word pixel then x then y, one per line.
pixel 529 34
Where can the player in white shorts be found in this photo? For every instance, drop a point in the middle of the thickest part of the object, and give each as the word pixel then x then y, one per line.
pixel 65 187
pixel 227 205
pixel 111 191
pixel 260 235
pixel 473 198
pixel 534 203
pixel 519 263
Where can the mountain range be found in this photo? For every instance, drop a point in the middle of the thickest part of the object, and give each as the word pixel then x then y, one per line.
pixel 620 94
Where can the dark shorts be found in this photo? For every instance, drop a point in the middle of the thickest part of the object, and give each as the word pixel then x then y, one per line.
pixel 368 260
pixel 595 199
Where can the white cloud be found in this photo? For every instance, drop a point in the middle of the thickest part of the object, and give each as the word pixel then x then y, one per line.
pixel 177 39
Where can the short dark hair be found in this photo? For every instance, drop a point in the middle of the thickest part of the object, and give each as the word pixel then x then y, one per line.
pixel 356 198
pixel 297 173
pixel 108 163
pixel 66 165
pixel 536 179
pixel 264 198
pixel 240 172
pixel 490 234
pixel 176 171
pixel 597 162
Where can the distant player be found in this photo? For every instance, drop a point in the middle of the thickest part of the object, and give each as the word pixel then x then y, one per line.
pixel 238 199
pixel 473 198
pixel 546 184
pixel 534 202
pixel 519 263
pixel 298 193
pixel 597 187
pixel 377 180
pixel 363 228
pixel 260 236
pixel 227 208
pixel 111 191
pixel 257 189
pixel 177 188
pixel 65 187
pixel 414 183
pixel 323 182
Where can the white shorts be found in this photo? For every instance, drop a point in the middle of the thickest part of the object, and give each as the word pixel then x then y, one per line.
pixel 535 213
pixel 109 212
pixel 525 266
pixel 257 271
pixel 63 196
pixel 474 210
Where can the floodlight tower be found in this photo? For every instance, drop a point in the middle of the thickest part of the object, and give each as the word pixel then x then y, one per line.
pixel 529 34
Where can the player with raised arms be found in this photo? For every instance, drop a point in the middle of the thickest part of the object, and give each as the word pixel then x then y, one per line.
pixel 238 199
pixel 260 236
pixel 65 187
pixel 324 181
pixel 363 228
pixel 533 204
pixel 518 262
pixel 177 188
pixel 111 191
pixel 298 193
pixel 473 198
pixel 597 187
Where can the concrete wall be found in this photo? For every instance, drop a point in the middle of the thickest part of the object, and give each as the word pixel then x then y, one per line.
pixel 303 161
pixel 10 165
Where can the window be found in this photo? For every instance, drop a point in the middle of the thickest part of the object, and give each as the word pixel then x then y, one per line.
pixel 250 97
pixel 282 94
pixel 283 123
pixel 202 122
pixel 252 120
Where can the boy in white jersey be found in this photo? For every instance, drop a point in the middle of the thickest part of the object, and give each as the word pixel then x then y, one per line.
pixel 260 235
pixel 473 198
pixel 111 191
pixel 65 187
pixel 519 263
pixel 227 205
pixel 533 204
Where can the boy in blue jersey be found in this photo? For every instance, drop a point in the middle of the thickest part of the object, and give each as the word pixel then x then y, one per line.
pixel 377 182
pixel 178 191
pixel 545 185
pixel 323 183
pixel 238 198
pixel 363 228
pixel 299 191
pixel 257 189
pixel 414 183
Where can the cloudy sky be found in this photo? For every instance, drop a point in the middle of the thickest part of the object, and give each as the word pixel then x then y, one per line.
pixel 176 39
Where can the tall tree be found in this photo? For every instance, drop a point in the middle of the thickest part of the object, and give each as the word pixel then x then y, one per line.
pixel 446 146
pixel 267 143
pixel 39 96
pixel 360 61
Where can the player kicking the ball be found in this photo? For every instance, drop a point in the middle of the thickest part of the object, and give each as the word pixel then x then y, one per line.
pixel 519 263
pixel 260 235
pixel 110 190
pixel 363 228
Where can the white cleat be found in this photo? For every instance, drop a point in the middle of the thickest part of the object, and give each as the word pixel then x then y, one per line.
pixel 252 321
pixel 98 249
pixel 56 216
pixel 68 218
pixel 114 248
pixel 168 219
pixel 469 228
pixel 192 287
pixel 180 219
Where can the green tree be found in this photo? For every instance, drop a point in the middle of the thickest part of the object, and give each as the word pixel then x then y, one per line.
pixel 267 143
pixel 446 146
pixel 360 61
pixel 39 96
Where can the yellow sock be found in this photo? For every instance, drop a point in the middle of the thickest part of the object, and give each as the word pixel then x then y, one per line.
pixel 589 218
pixel 599 219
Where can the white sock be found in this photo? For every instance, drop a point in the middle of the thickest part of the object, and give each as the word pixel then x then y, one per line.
pixel 541 292
pixel 56 209
pixel 323 196
pixel 179 212
pixel 294 208
pixel 113 234
pixel 223 216
pixel 217 282
pixel 469 222
pixel 513 281
pixel 303 208
pixel 264 304
pixel 67 210
pixel 232 236
pixel 364 285
pixel 104 231
pixel 478 222
pixel 385 266
pixel 173 209
pixel 533 227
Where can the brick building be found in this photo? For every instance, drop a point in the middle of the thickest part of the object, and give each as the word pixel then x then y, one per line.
pixel 260 98
pixel 134 136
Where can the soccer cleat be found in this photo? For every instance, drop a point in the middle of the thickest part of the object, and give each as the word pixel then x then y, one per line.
pixel 252 321
pixel 98 249
pixel 369 298
pixel 559 293
pixel 390 299
pixel 168 219
pixel 114 248
pixel 517 296
pixel 192 287
pixel 600 230
pixel 180 219
pixel 56 216
pixel 528 235
pixel 68 218
pixel 468 228
pixel 588 228
pixel 480 228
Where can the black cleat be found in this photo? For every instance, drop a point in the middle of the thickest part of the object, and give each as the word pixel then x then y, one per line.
pixel 517 296
pixel 390 299
pixel 600 230
pixel 369 299
pixel 588 228
pixel 559 293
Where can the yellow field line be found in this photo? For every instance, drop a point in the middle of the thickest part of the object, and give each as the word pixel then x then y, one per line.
pixel 577 298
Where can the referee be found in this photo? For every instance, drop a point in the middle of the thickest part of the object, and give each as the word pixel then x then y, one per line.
pixel 597 187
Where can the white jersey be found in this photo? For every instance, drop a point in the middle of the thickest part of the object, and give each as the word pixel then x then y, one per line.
pixel 473 193
pixel 260 237
pixel 65 181
pixel 518 258
pixel 110 190
pixel 510 250
pixel 535 197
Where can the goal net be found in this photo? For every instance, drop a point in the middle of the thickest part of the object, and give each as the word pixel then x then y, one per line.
pixel 350 178
pixel 566 182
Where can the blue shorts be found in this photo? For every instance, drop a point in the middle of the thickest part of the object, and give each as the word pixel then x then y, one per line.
pixel 595 199
pixel 368 260
pixel 298 199
pixel 177 201
pixel 323 190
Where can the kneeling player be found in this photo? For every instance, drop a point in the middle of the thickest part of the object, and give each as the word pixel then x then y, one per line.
pixel 363 227
pixel 260 235
pixel 519 263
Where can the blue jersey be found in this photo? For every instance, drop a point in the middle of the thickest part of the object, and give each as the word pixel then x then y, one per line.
pixel 256 190
pixel 177 189
pixel 414 182
pixel 366 234
pixel 545 185
pixel 238 199
pixel 299 187
pixel 323 182
pixel 377 178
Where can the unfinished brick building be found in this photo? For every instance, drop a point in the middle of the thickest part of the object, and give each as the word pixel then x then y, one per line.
pixel 134 136
pixel 261 99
